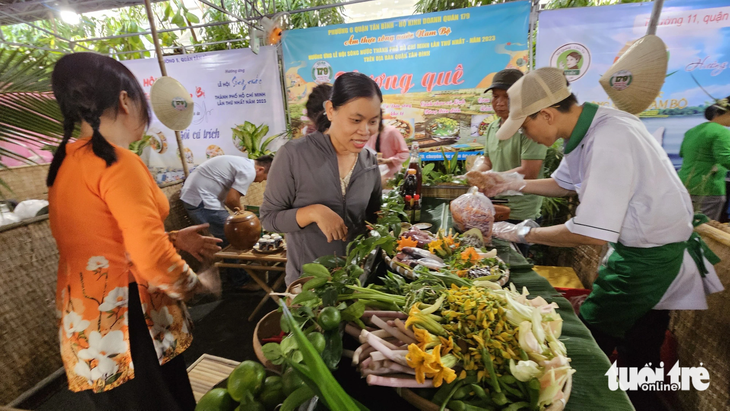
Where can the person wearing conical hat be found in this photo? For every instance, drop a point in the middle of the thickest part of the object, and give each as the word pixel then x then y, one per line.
pixel 630 198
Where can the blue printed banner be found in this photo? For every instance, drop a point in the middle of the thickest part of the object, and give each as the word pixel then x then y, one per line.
pixel 585 42
pixel 432 68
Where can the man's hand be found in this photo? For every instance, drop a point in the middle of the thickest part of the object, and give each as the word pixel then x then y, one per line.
pixel 492 183
pixel 329 222
pixel 199 246
pixel 387 161
pixel 511 232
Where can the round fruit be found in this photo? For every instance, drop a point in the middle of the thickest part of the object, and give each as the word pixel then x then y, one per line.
pixel 251 406
pixel 291 381
pixel 317 340
pixel 329 318
pixel 248 376
pixel 271 397
pixel 273 383
pixel 216 399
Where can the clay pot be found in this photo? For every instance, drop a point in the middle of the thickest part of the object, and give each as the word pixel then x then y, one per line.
pixel 242 229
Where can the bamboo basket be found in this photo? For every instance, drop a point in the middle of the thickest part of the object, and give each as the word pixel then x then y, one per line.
pixel 702 335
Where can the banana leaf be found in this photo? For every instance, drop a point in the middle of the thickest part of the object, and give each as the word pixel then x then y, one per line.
pixel 29 114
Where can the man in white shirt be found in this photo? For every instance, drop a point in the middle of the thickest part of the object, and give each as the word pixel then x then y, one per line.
pixel 630 196
pixel 219 183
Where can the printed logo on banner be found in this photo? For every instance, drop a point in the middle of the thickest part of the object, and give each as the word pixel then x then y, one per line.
pixel 652 379
pixel 621 80
pixel 573 58
pixel 322 72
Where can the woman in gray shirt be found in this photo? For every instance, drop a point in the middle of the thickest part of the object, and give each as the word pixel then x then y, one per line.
pixel 322 188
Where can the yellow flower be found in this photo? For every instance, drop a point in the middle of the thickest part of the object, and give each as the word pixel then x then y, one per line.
pixel 447 344
pixel 470 255
pixel 425 339
pixel 435 246
pixel 420 361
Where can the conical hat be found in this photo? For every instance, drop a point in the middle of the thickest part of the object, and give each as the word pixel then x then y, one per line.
pixel 637 77
pixel 171 103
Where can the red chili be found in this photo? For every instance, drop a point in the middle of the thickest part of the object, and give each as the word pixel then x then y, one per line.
pixel 275 339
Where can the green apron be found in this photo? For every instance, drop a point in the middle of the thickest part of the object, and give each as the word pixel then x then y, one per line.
pixel 634 280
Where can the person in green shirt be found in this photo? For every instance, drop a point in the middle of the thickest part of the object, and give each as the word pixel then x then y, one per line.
pixel 706 153
pixel 518 153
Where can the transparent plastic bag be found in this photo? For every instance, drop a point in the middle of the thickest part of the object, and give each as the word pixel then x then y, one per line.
pixel 493 183
pixel 473 210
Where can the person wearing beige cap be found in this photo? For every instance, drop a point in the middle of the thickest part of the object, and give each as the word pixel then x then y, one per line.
pixel 631 198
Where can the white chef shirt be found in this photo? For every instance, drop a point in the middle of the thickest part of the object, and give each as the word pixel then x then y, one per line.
pixel 630 193
pixel 212 180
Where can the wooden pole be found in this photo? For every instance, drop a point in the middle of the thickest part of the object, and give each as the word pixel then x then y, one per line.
pixel 654 19
pixel 160 59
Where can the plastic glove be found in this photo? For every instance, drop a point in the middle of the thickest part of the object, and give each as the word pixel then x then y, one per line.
pixel 493 183
pixel 510 232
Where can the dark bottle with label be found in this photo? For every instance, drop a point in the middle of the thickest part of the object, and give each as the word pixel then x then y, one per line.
pixel 416 209
pixel 415 164
pixel 410 184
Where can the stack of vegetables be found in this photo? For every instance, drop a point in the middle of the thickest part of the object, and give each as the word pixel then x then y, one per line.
pixel 484 348
pixel 464 255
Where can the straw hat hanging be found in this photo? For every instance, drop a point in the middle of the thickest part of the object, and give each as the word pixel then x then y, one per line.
pixel 171 103
pixel 637 77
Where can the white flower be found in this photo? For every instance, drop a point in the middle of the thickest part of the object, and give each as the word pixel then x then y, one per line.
pixel 105 368
pixel 96 263
pixel 74 323
pixel 161 319
pixel 101 349
pixel 116 298
pixel 163 343
pixel 104 347
pixel 524 370
pixel 161 335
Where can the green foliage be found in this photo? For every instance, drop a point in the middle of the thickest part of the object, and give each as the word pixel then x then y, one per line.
pixel 138 146
pixel 430 6
pixel 555 210
pixel 443 172
pixel 248 137
pixel 28 110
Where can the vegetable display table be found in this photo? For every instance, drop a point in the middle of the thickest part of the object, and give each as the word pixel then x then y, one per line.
pixel 590 385
pixel 256 264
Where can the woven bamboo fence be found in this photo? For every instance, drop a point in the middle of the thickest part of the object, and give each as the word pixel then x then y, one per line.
pixel 28 266
pixel 26 182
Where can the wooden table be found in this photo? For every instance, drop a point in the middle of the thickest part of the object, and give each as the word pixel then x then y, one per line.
pixel 255 264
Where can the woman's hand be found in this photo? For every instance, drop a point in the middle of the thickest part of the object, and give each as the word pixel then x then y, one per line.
pixel 331 224
pixel 209 282
pixel 199 246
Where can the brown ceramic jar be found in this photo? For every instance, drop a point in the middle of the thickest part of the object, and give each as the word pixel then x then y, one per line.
pixel 242 229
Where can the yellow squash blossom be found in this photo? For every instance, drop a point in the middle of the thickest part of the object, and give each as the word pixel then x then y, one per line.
pixel 420 361
pixel 425 339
